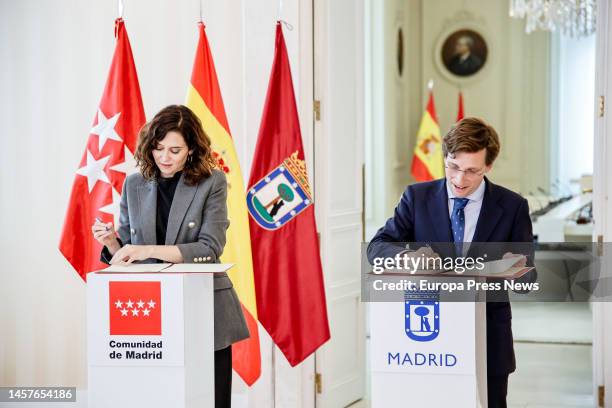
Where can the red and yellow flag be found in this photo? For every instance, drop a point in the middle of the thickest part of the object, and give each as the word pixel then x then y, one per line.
pixel 204 98
pixel 428 160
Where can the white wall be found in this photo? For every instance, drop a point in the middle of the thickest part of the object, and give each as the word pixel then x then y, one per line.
pixel 393 104
pixel 575 90
pixel 512 94
pixel 55 57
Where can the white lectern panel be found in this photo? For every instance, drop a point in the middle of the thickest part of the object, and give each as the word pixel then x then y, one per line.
pixel 429 355
pixel 150 340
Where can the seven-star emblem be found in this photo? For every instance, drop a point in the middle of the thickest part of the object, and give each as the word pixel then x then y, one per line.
pixel 124 307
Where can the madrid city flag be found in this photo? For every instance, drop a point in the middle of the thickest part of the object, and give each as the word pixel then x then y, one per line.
pixel 428 161
pixel 288 274
pixel 107 160
pixel 204 98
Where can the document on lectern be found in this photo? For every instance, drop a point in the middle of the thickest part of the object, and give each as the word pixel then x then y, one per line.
pixel 501 266
pixel 136 268
pixel 169 268
pixel 197 268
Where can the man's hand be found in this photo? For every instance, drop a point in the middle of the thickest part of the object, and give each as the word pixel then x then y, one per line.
pixel 427 254
pixel 131 253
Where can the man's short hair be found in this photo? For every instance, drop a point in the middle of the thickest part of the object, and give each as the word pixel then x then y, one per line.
pixel 469 41
pixel 472 135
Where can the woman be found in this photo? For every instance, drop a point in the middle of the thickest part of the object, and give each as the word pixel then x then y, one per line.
pixel 175 210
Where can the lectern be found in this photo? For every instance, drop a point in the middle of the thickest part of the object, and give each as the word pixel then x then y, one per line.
pixel 150 336
pixel 428 352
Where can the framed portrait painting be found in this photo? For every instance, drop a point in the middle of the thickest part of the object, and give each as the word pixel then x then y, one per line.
pixel 462 53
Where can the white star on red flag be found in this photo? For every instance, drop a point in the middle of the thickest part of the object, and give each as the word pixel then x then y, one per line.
pixel 114 207
pixel 128 165
pixel 105 129
pixel 94 170
pixel 111 141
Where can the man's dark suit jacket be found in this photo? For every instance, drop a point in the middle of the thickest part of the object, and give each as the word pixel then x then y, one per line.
pixel 422 216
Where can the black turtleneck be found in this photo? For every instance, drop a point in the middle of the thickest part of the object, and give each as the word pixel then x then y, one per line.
pixel 165 193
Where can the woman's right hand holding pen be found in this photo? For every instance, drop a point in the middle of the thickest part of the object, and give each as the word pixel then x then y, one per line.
pixel 105 234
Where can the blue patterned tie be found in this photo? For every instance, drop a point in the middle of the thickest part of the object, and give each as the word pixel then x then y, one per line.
pixel 458 223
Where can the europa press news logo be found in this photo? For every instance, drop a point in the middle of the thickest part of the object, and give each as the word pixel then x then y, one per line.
pixel 135 308
pixel 422 315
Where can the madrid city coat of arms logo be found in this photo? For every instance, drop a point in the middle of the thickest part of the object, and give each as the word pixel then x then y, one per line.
pixel 422 315
pixel 281 195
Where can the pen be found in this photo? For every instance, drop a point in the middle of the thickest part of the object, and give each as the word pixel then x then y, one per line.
pixel 100 221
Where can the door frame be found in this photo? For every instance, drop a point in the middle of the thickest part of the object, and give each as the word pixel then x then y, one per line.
pixel 331 221
pixel 602 206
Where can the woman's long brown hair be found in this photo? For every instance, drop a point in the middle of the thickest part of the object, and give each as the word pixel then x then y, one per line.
pixel 181 119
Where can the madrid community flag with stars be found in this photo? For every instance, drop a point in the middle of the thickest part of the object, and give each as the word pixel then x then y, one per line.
pixel 428 160
pixel 107 160
pixel 204 98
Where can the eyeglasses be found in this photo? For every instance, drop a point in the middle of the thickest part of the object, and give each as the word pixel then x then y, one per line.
pixel 469 173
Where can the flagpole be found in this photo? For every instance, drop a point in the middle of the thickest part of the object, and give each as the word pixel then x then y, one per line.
pixel 279 13
pixel 273 376
pixel 201 8
pixel 430 85
pixel 120 8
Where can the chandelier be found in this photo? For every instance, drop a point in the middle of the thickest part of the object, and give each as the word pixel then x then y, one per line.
pixel 576 18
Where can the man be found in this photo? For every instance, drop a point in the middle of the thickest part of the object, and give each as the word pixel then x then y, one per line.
pixel 464 63
pixel 465 207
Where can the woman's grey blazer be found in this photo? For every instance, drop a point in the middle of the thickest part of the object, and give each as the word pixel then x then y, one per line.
pixel 196 225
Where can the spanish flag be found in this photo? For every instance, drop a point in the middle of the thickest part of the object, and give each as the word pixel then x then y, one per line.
pixel 428 160
pixel 204 98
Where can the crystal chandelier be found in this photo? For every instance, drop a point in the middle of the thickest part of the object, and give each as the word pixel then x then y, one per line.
pixel 576 18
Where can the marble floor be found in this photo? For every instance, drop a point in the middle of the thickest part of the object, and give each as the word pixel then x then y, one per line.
pixel 551 375
pixel 553 345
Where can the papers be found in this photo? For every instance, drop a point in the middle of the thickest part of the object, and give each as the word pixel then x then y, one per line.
pixel 197 268
pixel 500 266
pixel 136 268
pixel 168 268
pixel 502 269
